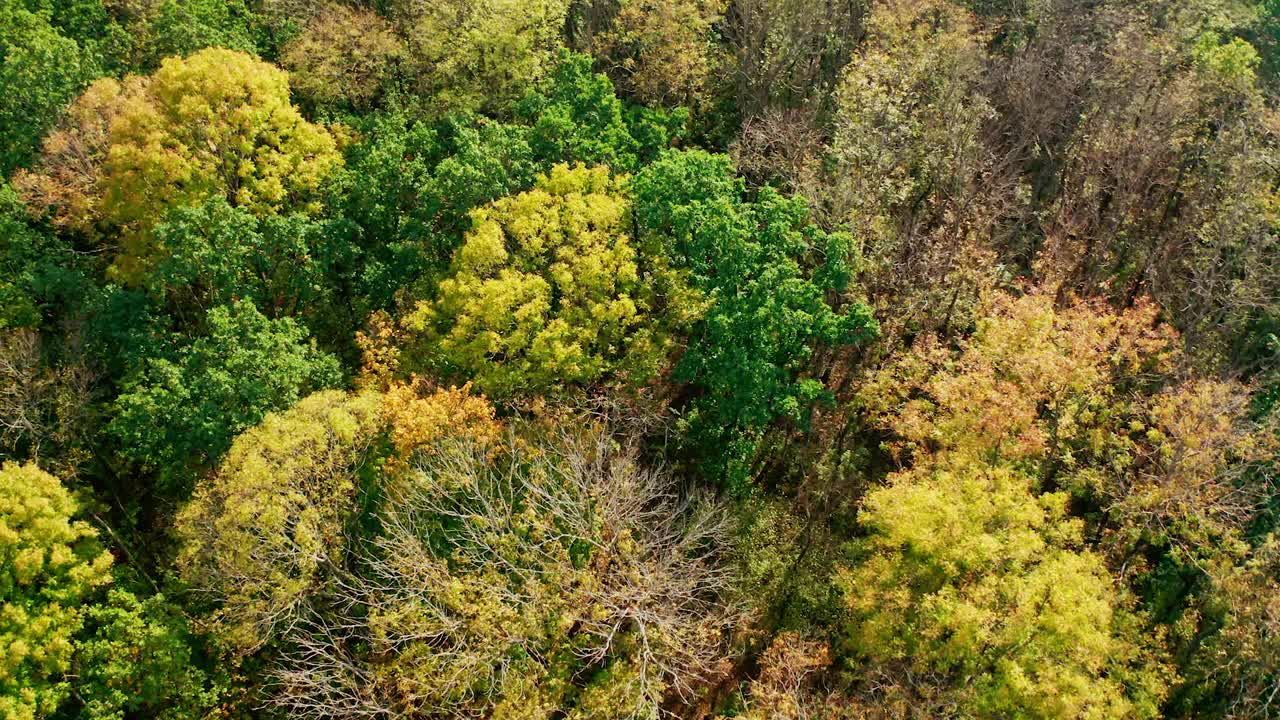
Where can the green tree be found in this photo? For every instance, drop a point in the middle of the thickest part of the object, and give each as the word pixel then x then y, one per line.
pixel 575 115
pixel 139 660
pixel 177 28
pixel 40 275
pixel 183 412
pixel 767 273
pixel 217 254
pixel 548 291
pixel 50 565
pixel 84 21
pixel 41 70
pixel 409 186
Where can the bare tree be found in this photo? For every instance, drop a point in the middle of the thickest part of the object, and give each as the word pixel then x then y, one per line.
pixel 493 564
pixel 44 408
pixel 788 53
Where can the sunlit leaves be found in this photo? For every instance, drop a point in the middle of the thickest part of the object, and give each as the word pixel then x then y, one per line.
pixel 549 291
pixel 216 124
pixel 966 573
pixel 257 535
pixel 50 563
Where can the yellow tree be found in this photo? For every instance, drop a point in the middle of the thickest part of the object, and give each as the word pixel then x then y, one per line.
pixel 1095 399
pixel 549 290
pixel 1241 661
pixel 218 122
pixel 974 586
pixel 66 184
pixel 260 534
pixel 970 580
pixel 479 54
pixel 50 563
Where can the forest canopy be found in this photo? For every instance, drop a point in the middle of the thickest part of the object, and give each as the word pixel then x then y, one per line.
pixel 639 359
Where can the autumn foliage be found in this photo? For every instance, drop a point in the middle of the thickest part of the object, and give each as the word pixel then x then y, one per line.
pixel 639 359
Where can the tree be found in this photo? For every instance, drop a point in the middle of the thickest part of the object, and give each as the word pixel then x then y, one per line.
pixel 548 292
pixel 1165 189
pixel 785 148
pixel 663 53
pixel 41 70
pixel 577 116
pixel 68 646
pixel 40 274
pixel 786 53
pixel 179 28
pixel 468 55
pixel 1200 472
pixel 968 577
pixel 139 660
pixel 81 20
pixel 50 564
pixel 256 535
pixel 183 412
pixel 409 187
pixel 217 254
pixel 767 273
pixel 910 172
pixel 974 580
pixel 1046 406
pixel 1027 364
pixel 344 56
pixel 218 123
pixel 1238 668
pixel 782 690
pixel 532 579
pixel 262 534
pixel 45 407
pixel 408 554
pixel 66 184
pixel 1091 397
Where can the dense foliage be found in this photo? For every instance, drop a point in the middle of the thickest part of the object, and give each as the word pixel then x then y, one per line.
pixel 638 359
